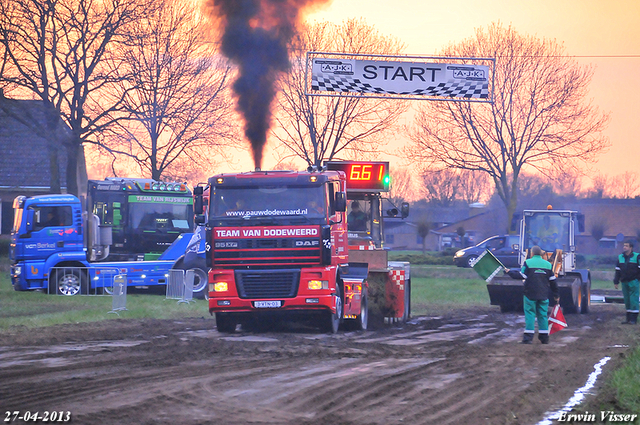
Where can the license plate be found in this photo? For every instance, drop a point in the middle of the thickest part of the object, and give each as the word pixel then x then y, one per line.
pixel 267 304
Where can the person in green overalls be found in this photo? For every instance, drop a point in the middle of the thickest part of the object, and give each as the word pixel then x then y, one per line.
pixel 539 277
pixel 628 272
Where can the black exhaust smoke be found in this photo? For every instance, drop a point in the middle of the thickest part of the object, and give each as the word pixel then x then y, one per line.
pixel 255 36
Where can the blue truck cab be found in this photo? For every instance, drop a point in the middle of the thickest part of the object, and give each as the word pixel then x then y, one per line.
pixel 57 247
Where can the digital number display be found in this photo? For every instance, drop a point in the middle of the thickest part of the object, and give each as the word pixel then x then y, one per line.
pixel 364 176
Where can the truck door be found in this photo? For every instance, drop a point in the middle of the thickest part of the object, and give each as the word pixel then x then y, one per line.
pixel 53 231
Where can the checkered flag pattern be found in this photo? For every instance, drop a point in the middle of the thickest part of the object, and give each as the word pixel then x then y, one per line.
pixel 452 88
pixel 397 277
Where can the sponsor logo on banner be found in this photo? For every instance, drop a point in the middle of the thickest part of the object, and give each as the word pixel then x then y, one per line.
pixel 265 232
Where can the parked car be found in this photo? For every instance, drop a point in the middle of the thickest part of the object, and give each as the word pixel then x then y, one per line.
pixel 500 246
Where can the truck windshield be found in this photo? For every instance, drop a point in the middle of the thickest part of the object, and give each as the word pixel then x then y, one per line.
pixel 160 216
pixel 271 202
pixel 549 231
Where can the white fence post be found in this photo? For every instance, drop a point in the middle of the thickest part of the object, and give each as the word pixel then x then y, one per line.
pixel 175 284
pixel 119 295
pixel 188 287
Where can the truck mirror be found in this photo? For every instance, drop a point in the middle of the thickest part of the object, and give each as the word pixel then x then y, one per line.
pixel 392 212
pixel 197 200
pixel 29 223
pixel 200 219
pixel 404 210
pixel 341 201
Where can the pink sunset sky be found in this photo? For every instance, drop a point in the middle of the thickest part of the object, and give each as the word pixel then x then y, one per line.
pixel 604 34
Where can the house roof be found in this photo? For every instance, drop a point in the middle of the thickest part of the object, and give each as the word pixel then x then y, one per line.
pixel 24 146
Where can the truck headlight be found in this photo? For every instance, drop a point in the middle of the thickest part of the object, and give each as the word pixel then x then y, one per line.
pixel 220 287
pixel 318 284
pixel 17 270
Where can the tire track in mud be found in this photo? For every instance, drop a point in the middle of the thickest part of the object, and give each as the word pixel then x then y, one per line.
pixel 445 371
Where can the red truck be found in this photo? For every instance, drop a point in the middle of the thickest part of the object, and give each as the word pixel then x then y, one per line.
pixel 279 246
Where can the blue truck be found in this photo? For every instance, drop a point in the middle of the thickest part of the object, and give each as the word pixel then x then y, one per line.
pixel 59 247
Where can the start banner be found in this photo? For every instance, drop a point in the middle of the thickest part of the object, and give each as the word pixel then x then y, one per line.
pixel 400 78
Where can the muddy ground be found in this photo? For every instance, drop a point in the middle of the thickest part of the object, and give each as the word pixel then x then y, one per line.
pixel 465 367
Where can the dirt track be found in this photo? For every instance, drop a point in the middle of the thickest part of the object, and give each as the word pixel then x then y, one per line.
pixel 464 369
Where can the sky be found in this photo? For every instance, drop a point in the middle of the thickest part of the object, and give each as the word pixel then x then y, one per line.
pixel 597 32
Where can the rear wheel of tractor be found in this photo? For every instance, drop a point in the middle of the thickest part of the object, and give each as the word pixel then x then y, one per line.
pixel 586 297
pixel 331 321
pixel 407 301
pixel 225 323
pixel 470 260
pixel 68 281
pixel 362 320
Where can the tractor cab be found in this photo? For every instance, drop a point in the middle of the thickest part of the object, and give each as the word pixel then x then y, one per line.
pixel 366 182
pixel 553 231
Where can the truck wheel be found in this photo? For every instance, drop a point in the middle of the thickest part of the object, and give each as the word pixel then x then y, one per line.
pixel 225 323
pixel 200 279
pixel 586 297
pixel 68 281
pixel 200 284
pixel 331 321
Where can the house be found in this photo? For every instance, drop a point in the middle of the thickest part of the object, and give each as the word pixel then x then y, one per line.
pixel 608 222
pixel 28 154
pixel 401 234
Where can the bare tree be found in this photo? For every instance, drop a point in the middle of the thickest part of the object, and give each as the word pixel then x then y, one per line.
pixel 474 186
pixel 55 49
pixel 402 189
pixel 423 228
pixel 317 129
pixel 567 183
pixel 539 118
pixel 625 185
pixel 601 185
pixel 178 112
pixel 441 187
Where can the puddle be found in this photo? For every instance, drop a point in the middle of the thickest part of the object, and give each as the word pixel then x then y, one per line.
pixel 249 338
pixel 25 355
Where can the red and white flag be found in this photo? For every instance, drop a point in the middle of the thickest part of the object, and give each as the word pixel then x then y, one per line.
pixel 557 320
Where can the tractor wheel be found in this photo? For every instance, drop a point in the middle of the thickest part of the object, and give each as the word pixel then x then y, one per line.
pixel 586 297
pixel 363 318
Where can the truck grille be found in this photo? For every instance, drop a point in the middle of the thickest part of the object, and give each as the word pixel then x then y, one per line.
pixel 267 283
